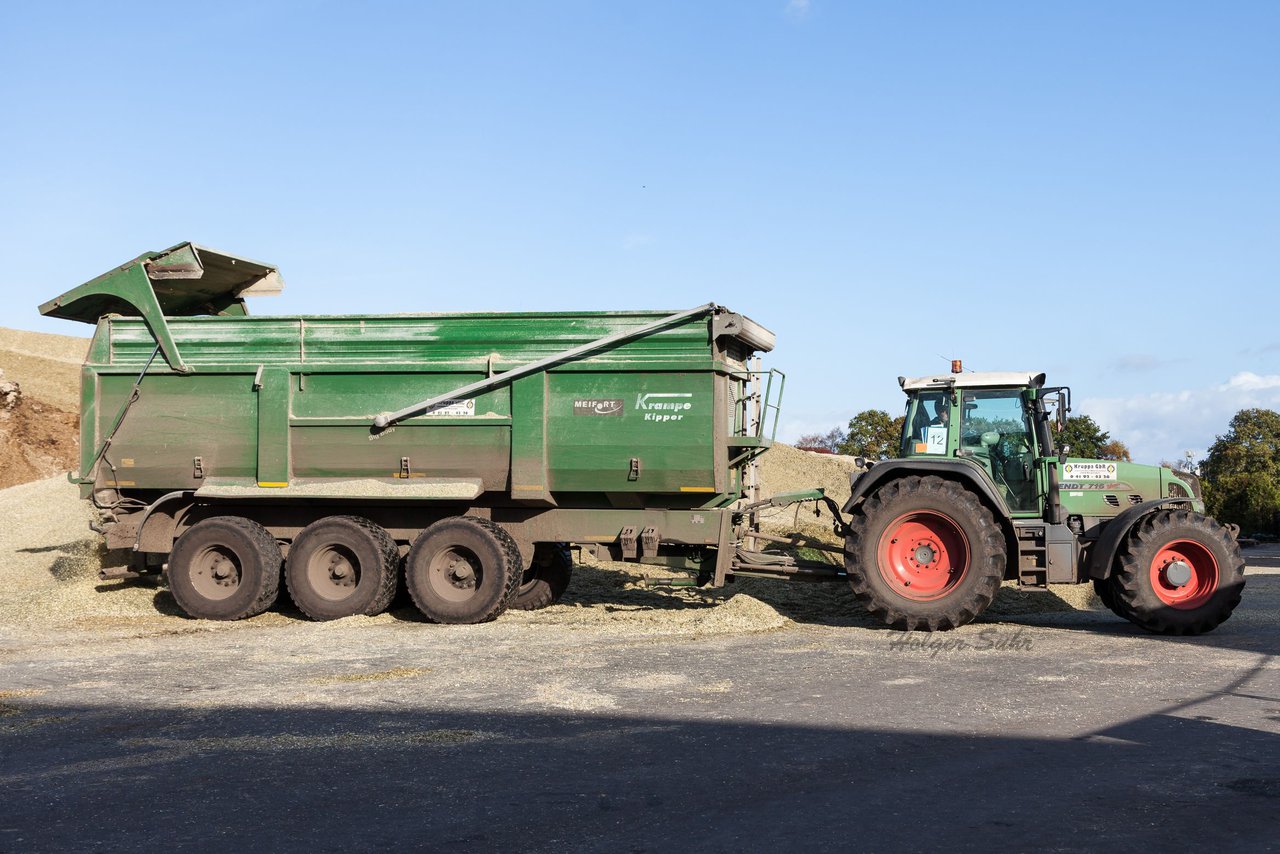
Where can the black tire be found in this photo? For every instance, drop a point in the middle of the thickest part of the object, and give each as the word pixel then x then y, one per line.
pixel 1102 587
pixel 225 568
pixel 543 583
pixel 1140 591
pixel 963 563
pixel 340 566
pixel 463 570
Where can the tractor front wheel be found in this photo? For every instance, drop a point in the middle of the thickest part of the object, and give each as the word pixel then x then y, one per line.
pixel 925 553
pixel 1178 573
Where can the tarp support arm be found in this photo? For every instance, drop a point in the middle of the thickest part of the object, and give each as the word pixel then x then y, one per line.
pixel 182 281
pixel 134 286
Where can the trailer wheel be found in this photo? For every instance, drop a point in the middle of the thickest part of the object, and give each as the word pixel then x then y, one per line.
pixel 544 583
pixel 924 553
pixel 1178 573
pixel 225 568
pixel 340 566
pixel 463 570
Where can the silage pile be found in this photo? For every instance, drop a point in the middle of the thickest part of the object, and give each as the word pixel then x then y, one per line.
pixel 49 564
pixel 49 561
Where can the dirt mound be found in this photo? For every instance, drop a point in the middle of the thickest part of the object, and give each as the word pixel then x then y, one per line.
pixel 37 439
pixel 39 402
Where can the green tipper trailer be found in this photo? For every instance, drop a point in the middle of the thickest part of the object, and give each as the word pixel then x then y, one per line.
pixel 469 453
pixel 631 434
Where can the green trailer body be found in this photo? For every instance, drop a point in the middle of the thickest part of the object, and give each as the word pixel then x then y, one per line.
pixel 631 432
pixel 290 402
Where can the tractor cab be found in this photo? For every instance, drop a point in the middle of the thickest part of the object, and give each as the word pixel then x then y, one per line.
pixel 995 420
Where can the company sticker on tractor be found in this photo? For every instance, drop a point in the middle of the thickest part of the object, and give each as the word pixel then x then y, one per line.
pixel 1089 471
pixel 664 406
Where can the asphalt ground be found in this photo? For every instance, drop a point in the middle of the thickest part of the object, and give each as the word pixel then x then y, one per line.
pixel 1059 731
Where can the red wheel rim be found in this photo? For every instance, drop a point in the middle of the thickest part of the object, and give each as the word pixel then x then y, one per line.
pixel 1167 571
pixel 923 555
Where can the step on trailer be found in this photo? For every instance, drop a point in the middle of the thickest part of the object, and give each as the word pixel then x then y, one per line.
pixel 470 453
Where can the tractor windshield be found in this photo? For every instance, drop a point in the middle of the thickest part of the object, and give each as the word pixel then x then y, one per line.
pixel 996 433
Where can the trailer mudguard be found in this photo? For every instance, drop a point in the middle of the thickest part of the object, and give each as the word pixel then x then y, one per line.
pixel 1113 534
pixel 157 526
pixel 864 483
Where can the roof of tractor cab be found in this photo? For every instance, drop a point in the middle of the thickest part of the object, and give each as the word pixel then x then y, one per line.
pixel 973 379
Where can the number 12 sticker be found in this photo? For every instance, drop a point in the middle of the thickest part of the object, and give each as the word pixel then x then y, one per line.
pixel 936 438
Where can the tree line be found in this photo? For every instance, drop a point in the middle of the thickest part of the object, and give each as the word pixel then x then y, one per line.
pixel 1240 474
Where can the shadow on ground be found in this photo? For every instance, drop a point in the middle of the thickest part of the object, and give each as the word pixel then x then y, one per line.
pixel 327 779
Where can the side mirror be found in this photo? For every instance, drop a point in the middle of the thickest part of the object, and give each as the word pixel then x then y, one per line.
pixel 1062 454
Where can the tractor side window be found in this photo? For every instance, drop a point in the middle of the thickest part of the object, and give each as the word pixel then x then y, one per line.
pixel 927 429
pixel 996 433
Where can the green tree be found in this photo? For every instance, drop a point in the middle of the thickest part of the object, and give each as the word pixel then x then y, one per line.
pixel 873 434
pixel 1115 450
pixel 1084 437
pixel 1242 471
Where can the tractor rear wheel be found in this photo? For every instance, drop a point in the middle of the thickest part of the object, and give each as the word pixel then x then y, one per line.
pixel 225 568
pixel 463 570
pixel 924 553
pixel 545 581
pixel 340 566
pixel 1178 573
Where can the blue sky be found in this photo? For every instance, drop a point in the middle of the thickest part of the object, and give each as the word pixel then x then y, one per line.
pixel 1089 189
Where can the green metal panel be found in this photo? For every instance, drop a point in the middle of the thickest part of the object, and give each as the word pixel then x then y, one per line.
pixel 1084 486
pixel 273 387
pixel 434 450
pixel 598 423
pixel 529 476
pixel 89 439
pixel 481 342
pixel 175 419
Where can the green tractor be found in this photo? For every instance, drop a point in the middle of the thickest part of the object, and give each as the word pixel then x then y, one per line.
pixel 980 494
